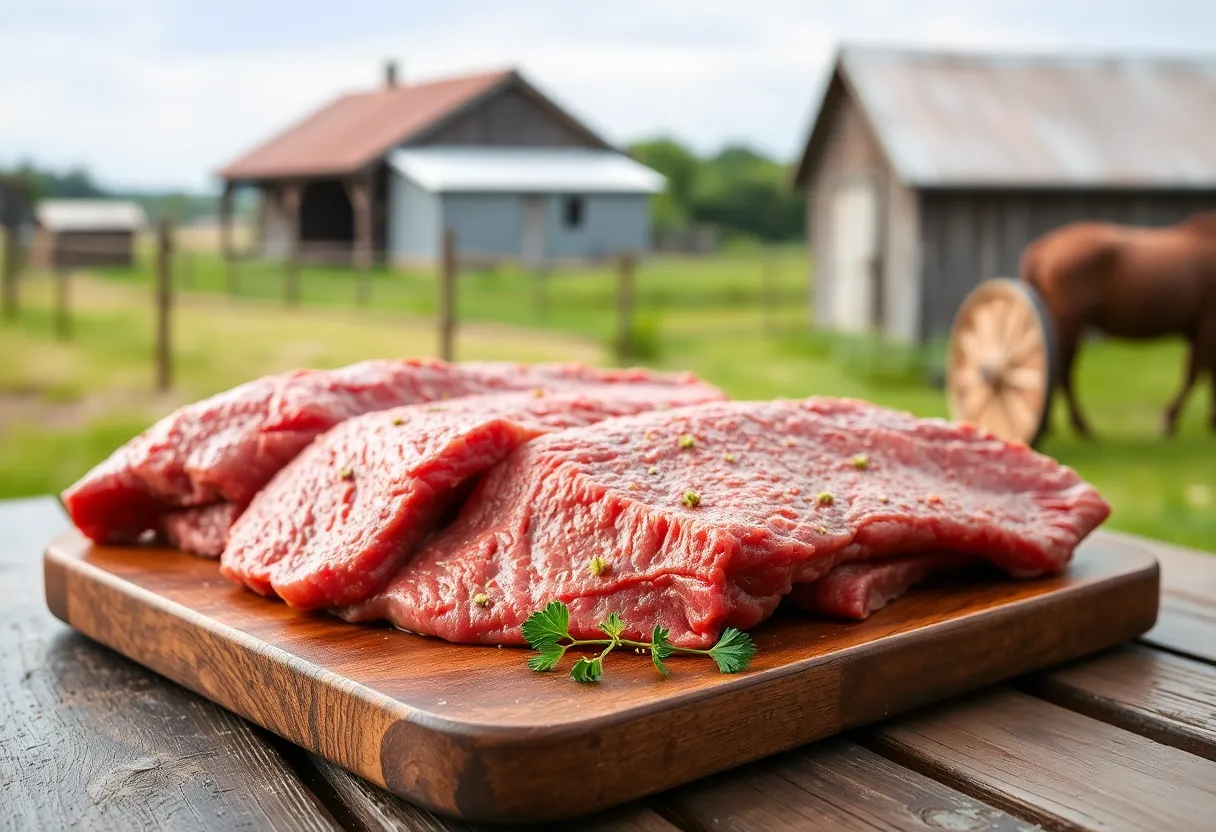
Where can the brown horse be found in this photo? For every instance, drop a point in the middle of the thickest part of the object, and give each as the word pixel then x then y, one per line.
pixel 1129 283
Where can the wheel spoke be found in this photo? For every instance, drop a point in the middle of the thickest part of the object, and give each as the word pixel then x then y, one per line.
pixel 973 401
pixel 1022 415
pixel 1023 378
pixel 1024 347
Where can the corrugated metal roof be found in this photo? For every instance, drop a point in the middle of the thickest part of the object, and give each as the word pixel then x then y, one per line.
pixel 961 120
pixel 90 215
pixel 525 170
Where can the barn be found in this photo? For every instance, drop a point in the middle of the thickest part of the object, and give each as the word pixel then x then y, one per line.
pixel 381 175
pixel 73 233
pixel 926 173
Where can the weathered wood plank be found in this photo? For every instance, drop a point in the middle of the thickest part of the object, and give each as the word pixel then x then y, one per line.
pixel 1158 695
pixel 365 807
pixel 92 741
pixel 830 785
pixel 472 733
pixel 1053 766
pixel 1186 626
pixel 1187 620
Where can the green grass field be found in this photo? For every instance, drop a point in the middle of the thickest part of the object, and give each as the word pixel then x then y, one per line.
pixel 737 320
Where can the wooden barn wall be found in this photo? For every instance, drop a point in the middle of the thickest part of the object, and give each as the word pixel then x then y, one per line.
pixel 510 118
pixel 80 249
pixel 849 149
pixel 969 236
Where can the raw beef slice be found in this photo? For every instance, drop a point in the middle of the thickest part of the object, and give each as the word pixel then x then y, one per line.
pixel 706 516
pixel 202 530
pixel 854 590
pixel 333 525
pixel 225 448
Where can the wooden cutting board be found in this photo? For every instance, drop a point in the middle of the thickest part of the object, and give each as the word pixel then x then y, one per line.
pixel 471 732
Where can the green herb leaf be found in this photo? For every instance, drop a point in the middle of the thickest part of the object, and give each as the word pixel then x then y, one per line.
pixel 660 648
pixel 733 651
pixel 550 655
pixel 686 441
pixel 613 627
pixel 548 631
pixel 547 626
pixel 588 670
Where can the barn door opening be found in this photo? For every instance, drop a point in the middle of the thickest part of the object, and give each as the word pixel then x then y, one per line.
pixel 854 255
pixel 533 248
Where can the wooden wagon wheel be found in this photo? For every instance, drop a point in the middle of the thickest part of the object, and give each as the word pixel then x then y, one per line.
pixel 999 368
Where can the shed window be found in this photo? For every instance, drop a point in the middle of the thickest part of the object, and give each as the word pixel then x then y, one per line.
pixel 573 211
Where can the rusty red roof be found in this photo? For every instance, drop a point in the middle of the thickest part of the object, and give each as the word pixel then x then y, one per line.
pixel 358 128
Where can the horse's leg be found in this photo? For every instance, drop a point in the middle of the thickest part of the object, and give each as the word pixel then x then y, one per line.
pixel 1069 341
pixel 1205 348
pixel 1198 353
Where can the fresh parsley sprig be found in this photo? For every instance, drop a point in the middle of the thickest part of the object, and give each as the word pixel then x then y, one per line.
pixel 548 632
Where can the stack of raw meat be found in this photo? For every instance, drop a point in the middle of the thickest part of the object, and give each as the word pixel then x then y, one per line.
pixel 456 499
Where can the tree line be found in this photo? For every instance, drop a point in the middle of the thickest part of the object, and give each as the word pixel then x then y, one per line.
pixel 738 190
pixel 78 183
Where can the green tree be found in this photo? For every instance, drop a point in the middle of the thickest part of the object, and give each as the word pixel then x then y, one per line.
pixel 677 163
pixel 740 191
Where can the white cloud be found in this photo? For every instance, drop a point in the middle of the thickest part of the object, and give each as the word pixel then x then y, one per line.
pixel 117 92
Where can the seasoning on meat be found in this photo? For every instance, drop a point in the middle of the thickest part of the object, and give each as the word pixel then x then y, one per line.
pixel 531 520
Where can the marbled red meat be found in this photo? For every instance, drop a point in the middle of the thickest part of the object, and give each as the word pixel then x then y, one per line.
pixel 855 590
pixel 706 516
pixel 333 524
pixel 202 530
pixel 225 448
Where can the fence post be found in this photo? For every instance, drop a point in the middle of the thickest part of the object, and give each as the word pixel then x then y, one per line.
pixel 63 321
pixel 447 296
pixel 292 195
pixel 11 266
pixel 358 191
pixel 164 302
pixel 227 256
pixel 624 305
pixel 542 291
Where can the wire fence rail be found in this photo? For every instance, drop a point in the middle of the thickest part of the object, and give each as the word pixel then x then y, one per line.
pixel 628 303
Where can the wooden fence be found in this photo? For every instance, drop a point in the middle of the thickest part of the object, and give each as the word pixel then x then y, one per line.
pixel 175 269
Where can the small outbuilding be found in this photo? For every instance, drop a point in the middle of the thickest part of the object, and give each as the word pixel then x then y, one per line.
pixel 533 204
pixel 75 233
pixel 381 175
pixel 927 173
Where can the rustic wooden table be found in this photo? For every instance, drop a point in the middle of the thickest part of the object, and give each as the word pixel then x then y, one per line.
pixel 1123 740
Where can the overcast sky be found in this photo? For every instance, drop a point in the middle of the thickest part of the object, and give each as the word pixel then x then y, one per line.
pixel 159 93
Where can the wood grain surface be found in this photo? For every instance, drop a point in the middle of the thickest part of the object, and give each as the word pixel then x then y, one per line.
pixel 89 740
pixel 472 733
pixel 1168 698
pixel 1188 601
pixel 834 784
pixel 360 806
pixel 1055 767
